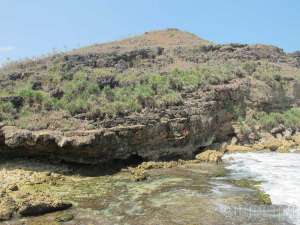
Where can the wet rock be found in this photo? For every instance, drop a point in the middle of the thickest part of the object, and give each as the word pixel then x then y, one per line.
pixel 262 197
pixel 276 144
pixel 7 208
pixel 285 146
pixel 138 174
pixel 13 187
pixel 238 148
pixel 41 204
pixel 66 217
pixel 159 165
pixel 210 156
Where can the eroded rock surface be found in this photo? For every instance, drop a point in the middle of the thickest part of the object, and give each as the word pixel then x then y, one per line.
pixel 205 114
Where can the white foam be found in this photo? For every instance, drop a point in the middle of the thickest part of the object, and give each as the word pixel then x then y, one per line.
pixel 280 173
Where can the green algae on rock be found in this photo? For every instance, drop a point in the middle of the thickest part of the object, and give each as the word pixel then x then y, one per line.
pixel 262 197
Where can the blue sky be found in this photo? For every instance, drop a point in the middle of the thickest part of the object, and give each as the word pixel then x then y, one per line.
pixel 34 27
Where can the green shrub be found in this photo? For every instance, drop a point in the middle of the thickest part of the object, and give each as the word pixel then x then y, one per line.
pixel 249 67
pixel 76 106
pixel 170 99
pixel 289 118
pixel 7 111
pixel 268 72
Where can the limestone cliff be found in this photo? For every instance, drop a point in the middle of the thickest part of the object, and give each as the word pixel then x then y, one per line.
pixel 256 78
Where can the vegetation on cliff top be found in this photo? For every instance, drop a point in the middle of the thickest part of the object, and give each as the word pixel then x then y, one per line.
pixel 121 78
pixel 104 92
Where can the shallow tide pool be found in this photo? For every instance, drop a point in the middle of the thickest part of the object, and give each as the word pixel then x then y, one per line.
pixel 279 176
pixel 193 194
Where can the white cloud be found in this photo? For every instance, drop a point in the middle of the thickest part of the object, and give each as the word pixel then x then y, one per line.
pixel 6 49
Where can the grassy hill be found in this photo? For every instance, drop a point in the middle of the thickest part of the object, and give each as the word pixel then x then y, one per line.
pixel 135 76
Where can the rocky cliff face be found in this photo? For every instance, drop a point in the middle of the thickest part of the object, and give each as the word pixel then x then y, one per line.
pixel 171 133
pixel 205 115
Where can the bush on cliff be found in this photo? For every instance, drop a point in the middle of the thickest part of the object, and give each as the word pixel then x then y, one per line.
pixel 105 92
pixel 289 118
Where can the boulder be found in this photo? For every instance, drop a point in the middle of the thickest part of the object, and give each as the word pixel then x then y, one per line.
pixel 234 141
pixel 57 93
pixel 279 129
pixel 277 144
pixel 210 156
pixel 138 174
pixel 285 146
pixel 287 134
pixel 296 138
pixel 13 187
pixel 36 85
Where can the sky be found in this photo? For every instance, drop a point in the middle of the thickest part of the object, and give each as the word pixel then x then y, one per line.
pixel 34 27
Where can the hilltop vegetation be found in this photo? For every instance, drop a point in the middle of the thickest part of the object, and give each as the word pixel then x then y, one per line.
pixel 147 73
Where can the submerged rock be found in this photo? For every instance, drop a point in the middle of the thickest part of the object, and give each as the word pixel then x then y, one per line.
pixel 41 204
pixel 262 197
pixel 64 217
pixel 139 172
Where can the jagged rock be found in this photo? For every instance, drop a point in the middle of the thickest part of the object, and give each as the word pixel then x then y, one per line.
pixel 16 101
pixel 7 208
pixel 276 144
pixel 241 137
pixel 36 85
pixel 234 141
pixel 41 204
pixel 238 148
pixel 200 114
pixel 277 130
pixel 15 76
pixel 57 93
pixel 138 174
pixel 296 138
pixel 285 146
pixel 13 187
pixel 210 156
pixel 107 80
pixel 273 144
pixel 287 134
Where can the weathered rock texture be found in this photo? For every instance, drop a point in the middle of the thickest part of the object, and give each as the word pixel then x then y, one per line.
pixel 206 115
